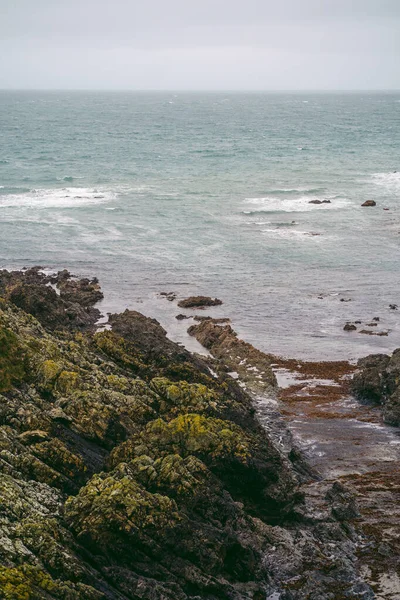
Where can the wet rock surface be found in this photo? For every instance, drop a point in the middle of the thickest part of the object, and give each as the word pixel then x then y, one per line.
pixel 339 525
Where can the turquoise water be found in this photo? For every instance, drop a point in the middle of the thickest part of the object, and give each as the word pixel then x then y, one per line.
pixel 209 193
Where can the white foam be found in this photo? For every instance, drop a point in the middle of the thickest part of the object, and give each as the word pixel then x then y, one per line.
pixel 57 198
pixel 391 181
pixel 292 234
pixel 299 204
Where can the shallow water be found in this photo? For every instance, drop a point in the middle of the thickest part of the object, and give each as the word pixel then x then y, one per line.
pixel 209 193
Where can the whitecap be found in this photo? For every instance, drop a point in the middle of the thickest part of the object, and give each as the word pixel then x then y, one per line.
pixel 292 234
pixel 299 204
pixel 56 198
pixel 391 181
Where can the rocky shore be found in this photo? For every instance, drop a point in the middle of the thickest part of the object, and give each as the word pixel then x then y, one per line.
pixel 133 469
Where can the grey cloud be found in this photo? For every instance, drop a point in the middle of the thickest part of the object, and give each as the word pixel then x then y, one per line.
pixel 256 44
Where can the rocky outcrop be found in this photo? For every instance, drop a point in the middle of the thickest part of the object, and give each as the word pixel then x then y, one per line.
pixel 378 380
pixel 199 302
pixel 72 308
pixel 131 469
pixel 237 355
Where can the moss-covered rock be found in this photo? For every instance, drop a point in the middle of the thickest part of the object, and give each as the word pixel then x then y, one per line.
pixel 13 363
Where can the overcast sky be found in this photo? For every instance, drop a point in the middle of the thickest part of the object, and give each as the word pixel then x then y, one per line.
pixel 200 44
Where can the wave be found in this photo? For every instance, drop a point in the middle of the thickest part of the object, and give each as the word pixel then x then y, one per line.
pixel 390 181
pixel 292 233
pixel 56 198
pixel 274 204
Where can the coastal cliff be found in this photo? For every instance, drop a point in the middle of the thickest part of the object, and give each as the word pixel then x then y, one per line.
pixel 133 469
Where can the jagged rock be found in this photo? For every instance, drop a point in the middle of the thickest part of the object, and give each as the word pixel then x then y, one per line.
pixel 378 379
pixel 128 471
pixel 349 327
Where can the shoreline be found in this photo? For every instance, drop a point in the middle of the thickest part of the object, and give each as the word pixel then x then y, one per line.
pixel 314 451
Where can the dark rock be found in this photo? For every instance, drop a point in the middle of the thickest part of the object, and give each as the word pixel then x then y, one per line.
pixel 393 306
pixel 369 203
pixel 199 302
pixel 378 379
pixel 200 318
pixel 349 327
pixel 319 202
pixel 182 317
pixel 368 382
pixel 377 319
pixel 170 296
pixel 343 502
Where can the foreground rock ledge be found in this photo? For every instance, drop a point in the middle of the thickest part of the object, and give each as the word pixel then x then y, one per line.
pixel 131 469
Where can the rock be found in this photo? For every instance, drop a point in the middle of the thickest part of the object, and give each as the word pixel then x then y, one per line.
pixel 369 203
pixel 345 299
pixel 343 502
pixel 170 296
pixel 199 302
pixel 200 318
pixel 182 317
pixel 377 319
pixel 393 306
pixel 378 379
pixel 319 202
pixel 33 437
pixel 378 333
pixel 368 382
pixel 349 327
pixel 128 471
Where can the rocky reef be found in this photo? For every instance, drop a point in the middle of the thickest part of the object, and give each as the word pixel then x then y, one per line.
pixel 132 469
pixel 378 381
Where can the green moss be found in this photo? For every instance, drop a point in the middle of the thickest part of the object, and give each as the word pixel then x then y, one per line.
pixel 31 583
pixel 189 434
pixel 67 381
pixel 117 503
pixel 48 373
pixel 123 352
pixel 13 363
pixel 182 397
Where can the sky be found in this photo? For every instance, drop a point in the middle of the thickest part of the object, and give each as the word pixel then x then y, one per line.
pixel 200 45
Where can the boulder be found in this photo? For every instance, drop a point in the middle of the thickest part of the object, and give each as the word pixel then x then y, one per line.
pixel 199 302
pixel 369 203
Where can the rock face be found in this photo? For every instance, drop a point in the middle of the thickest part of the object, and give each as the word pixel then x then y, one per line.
pixel 378 380
pixel 199 302
pixel 130 471
pixel 127 470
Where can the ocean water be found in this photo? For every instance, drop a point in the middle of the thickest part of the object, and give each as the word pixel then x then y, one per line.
pixel 209 194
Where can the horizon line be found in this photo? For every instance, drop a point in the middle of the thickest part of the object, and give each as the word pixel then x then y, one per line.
pixel 208 91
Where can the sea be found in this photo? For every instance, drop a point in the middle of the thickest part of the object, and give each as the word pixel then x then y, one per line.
pixel 209 193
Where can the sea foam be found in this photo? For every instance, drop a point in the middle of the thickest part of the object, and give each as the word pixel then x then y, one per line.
pixel 57 198
pixel 299 204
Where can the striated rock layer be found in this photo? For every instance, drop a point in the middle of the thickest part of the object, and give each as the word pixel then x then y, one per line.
pixel 131 469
